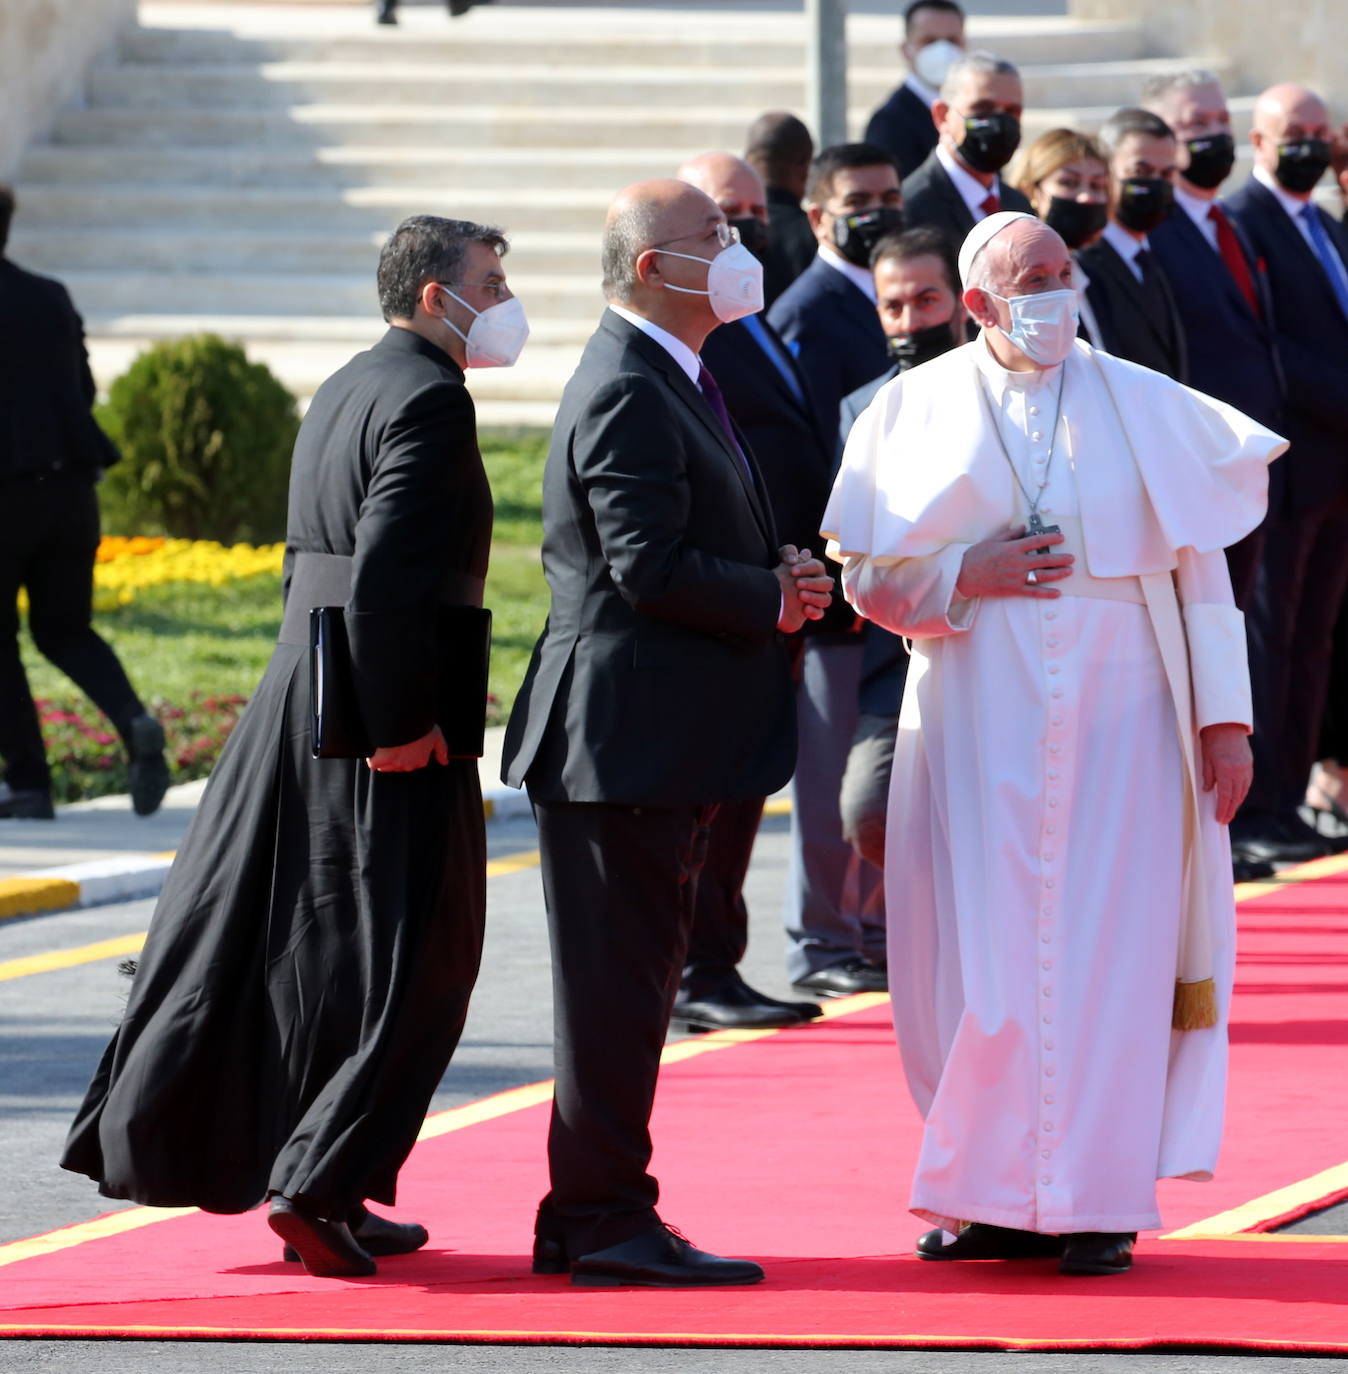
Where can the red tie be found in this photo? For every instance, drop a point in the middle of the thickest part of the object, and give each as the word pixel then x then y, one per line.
pixel 1234 257
pixel 991 205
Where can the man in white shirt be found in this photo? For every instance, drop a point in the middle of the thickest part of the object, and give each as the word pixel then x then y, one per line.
pixel 1077 697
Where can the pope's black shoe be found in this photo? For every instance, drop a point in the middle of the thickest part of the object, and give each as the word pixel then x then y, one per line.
pixel 842 980
pixel 658 1258
pixel 727 1002
pixel 1098 1252
pixel 327 1249
pixel 978 1241
pixel 376 1235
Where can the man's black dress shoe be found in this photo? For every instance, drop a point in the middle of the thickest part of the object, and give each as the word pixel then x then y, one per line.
pixel 148 771
pixel 1279 842
pixel 729 1003
pixel 658 1258
pixel 1248 871
pixel 26 806
pixel 1098 1252
pixel 978 1241
pixel 376 1235
pixel 327 1249
pixel 842 980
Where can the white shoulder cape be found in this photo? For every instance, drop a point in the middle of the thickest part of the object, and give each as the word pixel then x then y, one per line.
pixel 1159 467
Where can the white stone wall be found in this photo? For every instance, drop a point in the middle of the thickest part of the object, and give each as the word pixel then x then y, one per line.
pixel 46 47
pixel 1265 40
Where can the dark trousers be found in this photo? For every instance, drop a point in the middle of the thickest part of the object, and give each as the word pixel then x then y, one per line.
pixel 1299 594
pixel 720 934
pixel 51 535
pixel 619 883
pixel 1242 562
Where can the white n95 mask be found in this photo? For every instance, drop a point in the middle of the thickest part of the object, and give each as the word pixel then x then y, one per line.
pixel 734 282
pixel 1043 327
pixel 935 60
pixel 497 336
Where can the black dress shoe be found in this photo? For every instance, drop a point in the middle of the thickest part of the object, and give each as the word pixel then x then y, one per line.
pixel 327 1249
pixel 1248 871
pixel 1278 842
pixel 659 1258
pixel 149 774
pixel 843 980
pixel 385 13
pixel 376 1235
pixel 1098 1252
pixel 26 805
pixel 461 7
pixel 978 1241
pixel 729 1003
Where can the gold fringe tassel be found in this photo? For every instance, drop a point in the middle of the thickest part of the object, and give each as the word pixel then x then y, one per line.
pixel 1195 1006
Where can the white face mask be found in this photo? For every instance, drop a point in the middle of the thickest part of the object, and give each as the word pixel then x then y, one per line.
pixel 935 60
pixel 497 336
pixel 734 282
pixel 1043 327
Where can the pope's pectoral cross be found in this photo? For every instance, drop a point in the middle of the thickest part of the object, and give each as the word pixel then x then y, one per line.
pixel 1036 526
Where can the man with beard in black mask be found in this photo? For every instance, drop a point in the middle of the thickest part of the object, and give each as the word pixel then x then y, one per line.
pixel 1218 284
pixel 977 117
pixel 1129 294
pixel 1304 577
pixel 918 300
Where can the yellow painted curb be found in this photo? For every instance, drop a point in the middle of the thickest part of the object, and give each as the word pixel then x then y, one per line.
pixel 24 896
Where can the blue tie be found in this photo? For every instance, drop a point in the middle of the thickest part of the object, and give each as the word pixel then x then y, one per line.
pixel 760 335
pixel 1329 259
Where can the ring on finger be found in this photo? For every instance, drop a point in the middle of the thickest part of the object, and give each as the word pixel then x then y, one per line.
pixel 1031 577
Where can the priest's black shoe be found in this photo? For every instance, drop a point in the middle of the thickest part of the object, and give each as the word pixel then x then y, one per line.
pixel 659 1258
pixel 327 1249
pixel 26 805
pixel 978 1241
pixel 727 1002
pixel 377 1235
pixel 1098 1252
pixel 842 980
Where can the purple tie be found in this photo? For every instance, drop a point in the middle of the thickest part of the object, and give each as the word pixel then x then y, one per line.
pixel 711 393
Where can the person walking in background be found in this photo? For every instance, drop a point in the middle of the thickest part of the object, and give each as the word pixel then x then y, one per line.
pixel 659 689
pixel 1064 176
pixel 386 11
pixel 308 969
pixel 1128 292
pixel 781 150
pixel 52 454
pixel 933 39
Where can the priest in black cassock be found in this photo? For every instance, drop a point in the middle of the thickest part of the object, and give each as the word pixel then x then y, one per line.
pixel 307 972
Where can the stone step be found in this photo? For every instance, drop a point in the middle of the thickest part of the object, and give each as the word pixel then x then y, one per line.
pixel 278 85
pixel 349 332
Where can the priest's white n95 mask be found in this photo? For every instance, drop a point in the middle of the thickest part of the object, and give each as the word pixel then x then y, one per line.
pixel 734 282
pixel 497 336
pixel 1043 327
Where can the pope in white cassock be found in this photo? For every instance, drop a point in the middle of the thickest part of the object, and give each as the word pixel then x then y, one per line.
pixel 1071 747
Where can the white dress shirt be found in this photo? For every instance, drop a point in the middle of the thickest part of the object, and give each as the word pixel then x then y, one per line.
pixel 676 348
pixel 1197 209
pixel 860 277
pixel 1126 246
pixel 1080 283
pixel 972 191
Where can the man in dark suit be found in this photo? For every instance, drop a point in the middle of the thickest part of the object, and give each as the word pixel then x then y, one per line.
pixel 781 150
pixel 52 454
pixel 933 37
pixel 977 120
pixel 659 688
pixel 1304 576
pixel 1217 282
pixel 1129 293
pixel 769 402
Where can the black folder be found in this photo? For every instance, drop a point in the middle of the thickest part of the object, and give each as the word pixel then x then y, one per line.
pixel 464 639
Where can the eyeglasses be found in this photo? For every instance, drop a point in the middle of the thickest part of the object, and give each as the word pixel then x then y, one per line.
pixel 726 234
pixel 495 289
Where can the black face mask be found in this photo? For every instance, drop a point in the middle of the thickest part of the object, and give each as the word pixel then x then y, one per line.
pixel 1301 165
pixel 1210 160
pixel 990 141
pixel 1144 202
pixel 855 236
pixel 753 235
pixel 1076 222
pixel 909 350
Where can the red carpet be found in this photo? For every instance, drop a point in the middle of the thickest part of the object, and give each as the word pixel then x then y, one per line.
pixel 795 1148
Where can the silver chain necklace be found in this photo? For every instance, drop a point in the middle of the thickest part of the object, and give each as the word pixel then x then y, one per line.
pixel 1033 524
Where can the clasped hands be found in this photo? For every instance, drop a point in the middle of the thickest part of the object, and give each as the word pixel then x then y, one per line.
pixel 806 588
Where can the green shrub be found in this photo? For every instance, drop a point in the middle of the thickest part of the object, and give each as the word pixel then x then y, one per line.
pixel 206 438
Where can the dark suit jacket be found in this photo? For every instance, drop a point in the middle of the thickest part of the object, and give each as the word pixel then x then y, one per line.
pixel 785 435
pixel 660 678
pixel 904 128
pixel 1312 342
pixel 387 472
pixel 791 245
pixel 1130 328
pixel 833 328
pixel 930 197
pixel 46 388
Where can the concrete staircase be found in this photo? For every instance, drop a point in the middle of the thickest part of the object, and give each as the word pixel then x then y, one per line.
pixel 236 166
